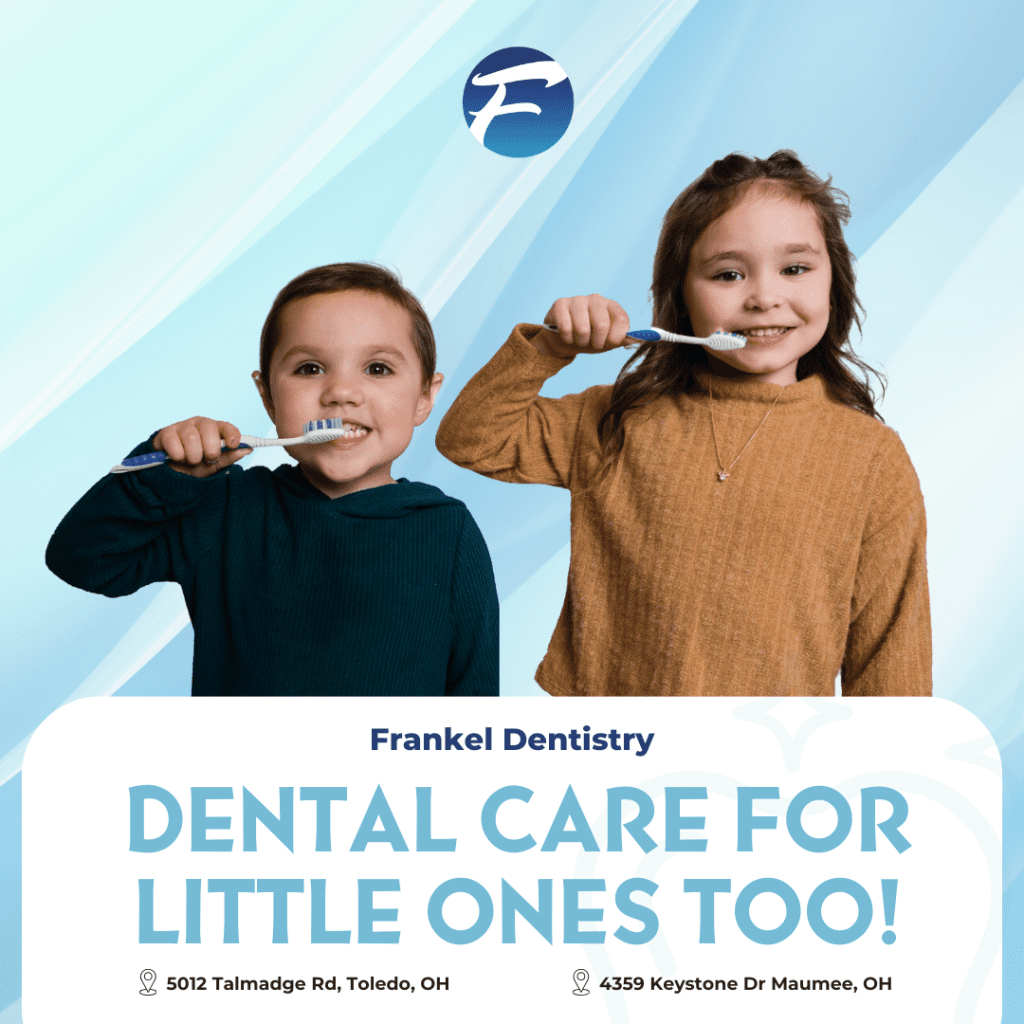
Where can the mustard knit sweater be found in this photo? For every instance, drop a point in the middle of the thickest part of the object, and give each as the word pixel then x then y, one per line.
pixel 809 559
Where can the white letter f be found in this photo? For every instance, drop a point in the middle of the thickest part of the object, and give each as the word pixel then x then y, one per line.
pixel 546 69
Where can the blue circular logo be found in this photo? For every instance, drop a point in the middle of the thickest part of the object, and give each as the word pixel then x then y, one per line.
pixel 517 102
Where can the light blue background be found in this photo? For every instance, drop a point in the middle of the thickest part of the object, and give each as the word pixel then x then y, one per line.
pixel 169 168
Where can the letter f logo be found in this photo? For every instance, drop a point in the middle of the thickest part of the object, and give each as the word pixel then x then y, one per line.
pixel 541 69
pixel 543 92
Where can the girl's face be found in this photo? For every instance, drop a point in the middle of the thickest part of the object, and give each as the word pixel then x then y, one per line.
pixel 761 270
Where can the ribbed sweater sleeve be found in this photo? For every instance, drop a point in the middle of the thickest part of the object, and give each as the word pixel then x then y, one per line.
pixel 138 528
pixel 498 426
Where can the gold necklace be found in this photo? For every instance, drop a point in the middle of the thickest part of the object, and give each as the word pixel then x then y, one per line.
pixel 723 471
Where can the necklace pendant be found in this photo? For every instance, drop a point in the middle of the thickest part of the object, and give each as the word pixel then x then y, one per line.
pixel 722 475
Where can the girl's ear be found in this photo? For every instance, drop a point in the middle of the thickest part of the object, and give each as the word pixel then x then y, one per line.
pixel 426 400
pixel 264 391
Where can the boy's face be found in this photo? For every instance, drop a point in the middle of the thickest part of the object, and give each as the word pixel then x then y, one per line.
pixel 348 355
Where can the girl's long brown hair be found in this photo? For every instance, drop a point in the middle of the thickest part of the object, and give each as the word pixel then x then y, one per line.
pixel 657 368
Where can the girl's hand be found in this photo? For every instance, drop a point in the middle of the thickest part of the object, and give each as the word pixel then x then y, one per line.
pixel 193 446
pixel 586 323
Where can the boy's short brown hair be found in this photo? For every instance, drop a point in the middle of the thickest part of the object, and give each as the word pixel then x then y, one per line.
pixel 344 277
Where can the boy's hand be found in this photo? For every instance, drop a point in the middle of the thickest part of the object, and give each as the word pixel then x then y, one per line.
pixel 586 323
pixel 193 446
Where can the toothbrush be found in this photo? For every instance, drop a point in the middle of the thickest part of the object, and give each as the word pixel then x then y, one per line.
pixel 314 432
pixel 721 341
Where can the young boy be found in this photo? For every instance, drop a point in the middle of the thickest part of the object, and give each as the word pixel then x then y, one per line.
pixel 326 578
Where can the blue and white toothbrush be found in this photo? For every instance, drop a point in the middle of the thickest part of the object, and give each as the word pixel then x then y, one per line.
pixel 315 432
pixel 721 341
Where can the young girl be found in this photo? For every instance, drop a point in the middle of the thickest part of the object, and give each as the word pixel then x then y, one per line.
pixel 742 522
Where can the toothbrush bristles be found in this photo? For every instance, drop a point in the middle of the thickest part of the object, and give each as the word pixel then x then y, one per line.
pixel 321 431
pixel 332 424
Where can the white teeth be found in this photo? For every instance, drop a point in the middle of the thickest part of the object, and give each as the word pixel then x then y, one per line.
pixel 764 332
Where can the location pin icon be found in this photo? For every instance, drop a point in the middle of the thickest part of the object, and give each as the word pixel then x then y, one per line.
pixel 147 977
pixel 581 977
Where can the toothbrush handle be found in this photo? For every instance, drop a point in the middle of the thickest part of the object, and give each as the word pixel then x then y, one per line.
pixel 151 459
pixel 722 341
pixel 655 334
pixel 641 334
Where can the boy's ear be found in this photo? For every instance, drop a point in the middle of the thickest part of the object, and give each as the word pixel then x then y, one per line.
pixel 426 399
pixel 264 391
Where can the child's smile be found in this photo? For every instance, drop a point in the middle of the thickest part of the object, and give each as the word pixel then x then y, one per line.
pixel 761 270
pixel 350 356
